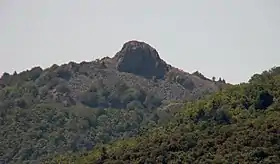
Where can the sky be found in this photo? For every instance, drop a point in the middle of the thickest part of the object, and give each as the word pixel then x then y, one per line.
pixel 232 39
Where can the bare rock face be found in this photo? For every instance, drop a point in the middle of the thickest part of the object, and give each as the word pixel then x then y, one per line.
pixel 140 59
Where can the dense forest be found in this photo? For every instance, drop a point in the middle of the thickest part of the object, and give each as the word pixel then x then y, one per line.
pixel 33 125
pixel 239 124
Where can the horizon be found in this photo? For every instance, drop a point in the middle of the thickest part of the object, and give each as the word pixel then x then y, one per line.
pixel 229 39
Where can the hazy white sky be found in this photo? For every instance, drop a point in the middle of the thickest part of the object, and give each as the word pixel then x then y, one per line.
pixel 228 38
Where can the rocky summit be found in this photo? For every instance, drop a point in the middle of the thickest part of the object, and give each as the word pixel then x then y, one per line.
pixel 141 59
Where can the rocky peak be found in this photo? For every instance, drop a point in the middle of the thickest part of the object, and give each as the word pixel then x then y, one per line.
pixel 141 59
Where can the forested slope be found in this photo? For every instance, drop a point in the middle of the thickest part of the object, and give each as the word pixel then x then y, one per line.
pixel 75 106
pixel 240 124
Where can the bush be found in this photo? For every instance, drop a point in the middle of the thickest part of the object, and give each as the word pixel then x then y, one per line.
pixel 62 88
pixel 264 100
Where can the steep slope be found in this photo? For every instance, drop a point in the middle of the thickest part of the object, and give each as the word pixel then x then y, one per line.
pixel 240 124
pixel 73 107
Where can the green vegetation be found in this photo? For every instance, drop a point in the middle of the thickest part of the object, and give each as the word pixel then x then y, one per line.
pixel 42 116
pixel 46 117
pixel 239 124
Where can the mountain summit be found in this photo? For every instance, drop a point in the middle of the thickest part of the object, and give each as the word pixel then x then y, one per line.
pixel 141 59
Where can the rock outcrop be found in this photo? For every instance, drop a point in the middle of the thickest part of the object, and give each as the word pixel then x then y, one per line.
pixel 141 59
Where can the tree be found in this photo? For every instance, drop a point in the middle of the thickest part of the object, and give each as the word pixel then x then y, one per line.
pixel 213 78
pixel 264 100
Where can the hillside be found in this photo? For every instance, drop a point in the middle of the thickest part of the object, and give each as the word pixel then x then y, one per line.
pixel 75 106
pixel 239 124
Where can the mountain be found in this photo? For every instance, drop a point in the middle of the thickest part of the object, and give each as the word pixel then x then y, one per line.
pixel 238 124
pixel 74 107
